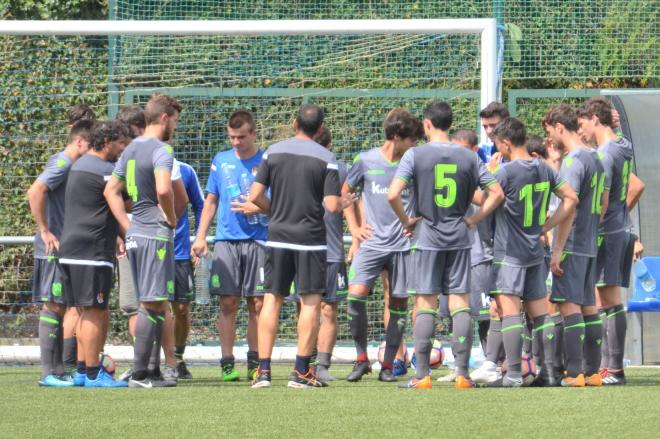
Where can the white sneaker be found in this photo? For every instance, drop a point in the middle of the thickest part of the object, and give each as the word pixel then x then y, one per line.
pixel 487 373
pixel 170 374
pixel 448 378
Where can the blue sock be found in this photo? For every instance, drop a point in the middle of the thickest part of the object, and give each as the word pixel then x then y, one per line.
pixel 264 363
pixel 302 364
pixel 80 367
pixel 93 372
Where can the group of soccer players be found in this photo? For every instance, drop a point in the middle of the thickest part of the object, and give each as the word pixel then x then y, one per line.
pixel 447 223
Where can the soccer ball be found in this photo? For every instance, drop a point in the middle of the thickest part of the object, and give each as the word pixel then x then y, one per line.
pixel 437 355
pixel 381 352
pixel 107 363
pixel 527 369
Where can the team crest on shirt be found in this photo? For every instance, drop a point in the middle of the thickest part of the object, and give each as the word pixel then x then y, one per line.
pixel 100 298
pixel 254 170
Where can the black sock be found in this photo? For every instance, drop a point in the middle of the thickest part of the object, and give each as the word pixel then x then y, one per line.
pixel 617 326
pixel 593 338
pixel 482 327
pixel 70 353
pixel 178 352
pixel 252 359
pixel 50 326
pixel 574 343
pixel 80 367
pixel 227 360
pixel 302 364
pixel 559 342
pixel 395 329
pixel 264 364
pixel 93 372
pixel 357 322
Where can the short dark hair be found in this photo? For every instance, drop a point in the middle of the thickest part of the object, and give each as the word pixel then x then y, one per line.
pixel 108 131
pixel 511 129
pixel 80 112
pixel 563 114
pixel 133 116
pixel 467 136
pixel 310 118
pixel 494 109
pixel 597 106
pixel 241 117
pixel 158 105
pixel 324 137
pixel 400 122
pixel 536 145
pixel 82 128
pixel 440 115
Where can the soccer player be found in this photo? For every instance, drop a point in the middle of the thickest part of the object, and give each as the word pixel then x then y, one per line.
pixel 490 116
pixel 239 251
pixel 615 249
pixel 383 244
pixel 575 248
pixel 304 182
pixel 519 267
pixel 444 176
pixel 80 112
pixel 88 247
pixel 184 291
pixel 144 171
pixel 133 116
pixel 46 198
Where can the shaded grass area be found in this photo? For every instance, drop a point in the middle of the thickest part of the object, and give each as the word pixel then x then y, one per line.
pixel 205 407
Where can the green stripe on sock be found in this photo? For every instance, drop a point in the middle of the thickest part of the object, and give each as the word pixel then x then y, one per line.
pixel 545 325
pixel 593 323
pixel 577 325
pixel 616 312
pixel 152 320
pixel 49 320
pixel 161 318
pixel 512 327
pixel 356 299
pixel 398 312
pixel 456 311
pixel 426 311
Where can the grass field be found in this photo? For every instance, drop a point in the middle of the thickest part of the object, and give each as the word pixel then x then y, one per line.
pixel 205 407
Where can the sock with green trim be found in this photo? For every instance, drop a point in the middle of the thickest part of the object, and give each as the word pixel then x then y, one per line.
pixel 544 335
pixel 396 326
pixel 604 347
pixel 154 359
pixel 574 343
pixel 145 337
pixel 461 340
pixel 494 341
pixel 559 341
pixel 617 326
pixel 357 321
pixel 527 335
pixel 178 352
pixel 423 334
pixel 593 338
pixel 512 330
pixel 252 359
pixel 50 326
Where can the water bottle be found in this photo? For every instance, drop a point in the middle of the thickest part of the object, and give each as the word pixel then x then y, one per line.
pixel 264 218
pixel 642 272
pixel 231 185
pixel 245 189
pixel 202 279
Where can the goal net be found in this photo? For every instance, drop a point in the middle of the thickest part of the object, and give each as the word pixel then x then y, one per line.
pixel 357 70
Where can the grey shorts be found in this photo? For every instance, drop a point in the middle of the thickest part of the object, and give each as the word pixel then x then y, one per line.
pixel 47 281
pixel 184 286
pixel 480 279
pixel 441 272
pixel 238 268
pixel 152 266
pixel 578 283
pixel 368 264
pixel 614 261
pixel 528 283
pixel 128 302
pixel 336 285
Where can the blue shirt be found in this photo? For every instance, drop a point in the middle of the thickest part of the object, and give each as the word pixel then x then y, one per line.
pixel 486 151
pixel 233 226
pixel 196 199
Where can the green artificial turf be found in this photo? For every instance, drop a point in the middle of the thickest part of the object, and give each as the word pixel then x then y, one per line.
pixel 205 407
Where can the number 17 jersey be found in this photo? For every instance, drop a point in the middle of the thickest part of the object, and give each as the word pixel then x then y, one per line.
pixel 519 221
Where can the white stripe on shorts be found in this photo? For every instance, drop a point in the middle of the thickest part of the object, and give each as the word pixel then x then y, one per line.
pixel 87 262
pixel 296 246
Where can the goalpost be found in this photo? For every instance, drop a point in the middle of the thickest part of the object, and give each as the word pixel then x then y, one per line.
pixel 369 49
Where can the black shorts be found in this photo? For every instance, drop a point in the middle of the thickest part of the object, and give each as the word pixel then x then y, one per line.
pixel 184 286
pixel 308 268
pixel 87 285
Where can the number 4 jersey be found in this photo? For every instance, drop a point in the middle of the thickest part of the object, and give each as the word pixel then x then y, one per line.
pixel 617 158
pixel 527 185
pixel 444 176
